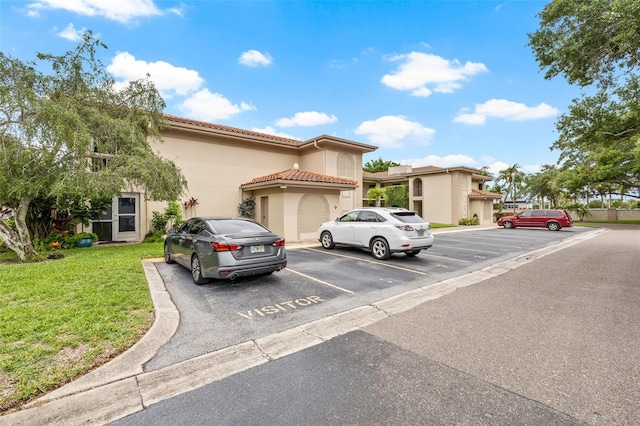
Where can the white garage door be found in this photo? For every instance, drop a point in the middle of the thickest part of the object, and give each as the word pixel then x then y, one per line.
pixel 312 211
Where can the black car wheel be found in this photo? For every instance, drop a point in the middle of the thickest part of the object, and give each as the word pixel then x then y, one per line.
pixel 167 254
pixel 412 253
pixel 327 240
pixel 507 224
pixel 196 271
pixel 380 249
pixel 553 226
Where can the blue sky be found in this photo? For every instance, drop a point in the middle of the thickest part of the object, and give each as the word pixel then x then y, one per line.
pixel 444 83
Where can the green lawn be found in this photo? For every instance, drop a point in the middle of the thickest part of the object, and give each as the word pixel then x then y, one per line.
pixel 62 318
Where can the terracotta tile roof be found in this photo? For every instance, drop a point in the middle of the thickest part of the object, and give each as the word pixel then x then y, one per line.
pixel 228 129
pixel 483 194
pixel 296 175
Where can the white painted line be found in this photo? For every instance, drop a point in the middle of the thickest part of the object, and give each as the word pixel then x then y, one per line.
pixel 448 258
pixel 319 281
pixel 468 249
pixel 388 265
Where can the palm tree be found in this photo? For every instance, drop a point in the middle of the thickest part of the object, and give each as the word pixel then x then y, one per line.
pixel 511 176
pixel 376 194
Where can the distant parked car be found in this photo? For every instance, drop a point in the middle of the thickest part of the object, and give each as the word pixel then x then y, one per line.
pixel 553 220
pixel 381 230
pixel 225 248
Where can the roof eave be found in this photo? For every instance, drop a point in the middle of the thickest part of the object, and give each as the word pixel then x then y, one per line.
pixel 279 183
pixel 365 148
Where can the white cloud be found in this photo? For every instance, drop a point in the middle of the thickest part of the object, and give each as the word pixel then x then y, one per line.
pixel 199 103
pixel 271 131
pixel 119 11
pixel 390 131
pixel 254 58
pixel 446 161
pixel 168 79
pixel 424 73
pixel 307 119
pixel 70 33
pixel 496 167
pixel 531 168
pixel 506 110
pixel 206 106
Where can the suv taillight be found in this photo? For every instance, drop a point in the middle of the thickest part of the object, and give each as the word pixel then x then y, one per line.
pixel 404 227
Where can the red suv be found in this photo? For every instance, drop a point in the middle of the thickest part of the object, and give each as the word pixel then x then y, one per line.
pixel 553 220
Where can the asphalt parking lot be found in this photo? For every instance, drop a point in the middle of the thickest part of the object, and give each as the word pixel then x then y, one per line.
pixel 318 283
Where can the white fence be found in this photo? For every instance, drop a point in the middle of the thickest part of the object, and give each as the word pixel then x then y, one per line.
pixel 610 214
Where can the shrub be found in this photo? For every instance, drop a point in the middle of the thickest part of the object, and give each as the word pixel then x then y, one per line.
pixel 154 236
pixel 159 221
pixel 247 207
pixel 396 196
pixel 498 215
pixel 467 221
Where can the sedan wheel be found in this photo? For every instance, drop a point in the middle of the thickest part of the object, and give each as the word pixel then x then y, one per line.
pixel 196 271
pixel 380 249
pixel 327 240
pixel 167 254
pixel 507 225
pixel 553 226
pixel 412 253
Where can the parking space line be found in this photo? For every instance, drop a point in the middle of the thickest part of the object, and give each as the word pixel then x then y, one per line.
pixel 468 249
pixel 319 281
pixel 517 245
pixel 370 261
pixel 448 258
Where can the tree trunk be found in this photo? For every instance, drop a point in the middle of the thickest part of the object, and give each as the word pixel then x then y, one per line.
pixel 20 242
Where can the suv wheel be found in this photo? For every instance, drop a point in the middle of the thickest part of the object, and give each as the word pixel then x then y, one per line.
pixel 507 224
pixel 380 249
pixel 553 226
pixel 327 240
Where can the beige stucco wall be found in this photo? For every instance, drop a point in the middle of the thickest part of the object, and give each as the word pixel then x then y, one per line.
pixel 284 208
pixel 460 188
pixel 484 210
pixel 215 169
pixel 437 198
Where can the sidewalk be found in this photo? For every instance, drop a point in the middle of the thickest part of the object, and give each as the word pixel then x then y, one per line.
pixel 121 387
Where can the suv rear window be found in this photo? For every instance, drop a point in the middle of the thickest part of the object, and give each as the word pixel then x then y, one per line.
pixel 408 217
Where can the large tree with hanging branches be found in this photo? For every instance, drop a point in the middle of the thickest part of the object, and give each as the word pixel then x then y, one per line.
pixel 70 133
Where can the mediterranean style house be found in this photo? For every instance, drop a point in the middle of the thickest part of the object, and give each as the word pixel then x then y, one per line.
pixel 296 185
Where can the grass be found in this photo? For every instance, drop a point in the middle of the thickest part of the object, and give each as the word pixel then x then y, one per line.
pixel 62 318
pixel 442 225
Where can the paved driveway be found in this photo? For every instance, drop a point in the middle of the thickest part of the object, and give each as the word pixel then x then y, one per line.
pixel 555 341
pixel 318 283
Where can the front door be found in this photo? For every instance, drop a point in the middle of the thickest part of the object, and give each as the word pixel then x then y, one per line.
pixel 264 211
pixel 122 221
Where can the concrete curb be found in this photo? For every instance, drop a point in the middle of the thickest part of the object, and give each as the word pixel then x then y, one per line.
pixel 121 388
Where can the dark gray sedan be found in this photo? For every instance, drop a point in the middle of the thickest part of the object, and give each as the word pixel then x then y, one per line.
pixel 225 248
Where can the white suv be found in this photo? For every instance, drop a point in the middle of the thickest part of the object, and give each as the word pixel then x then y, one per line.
pixel 379 229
